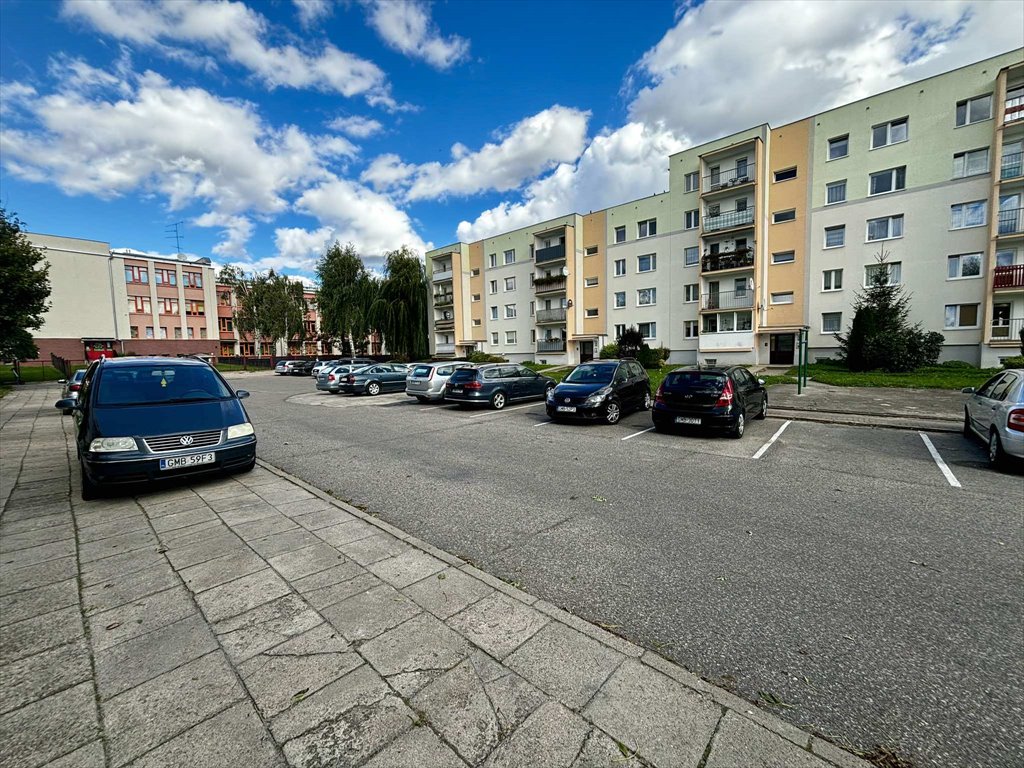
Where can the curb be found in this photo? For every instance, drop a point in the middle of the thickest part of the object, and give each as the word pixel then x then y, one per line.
pixel 880 422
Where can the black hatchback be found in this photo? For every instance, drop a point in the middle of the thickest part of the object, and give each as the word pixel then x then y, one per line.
pixel 601 390
pixel 142 419
pixel 709 397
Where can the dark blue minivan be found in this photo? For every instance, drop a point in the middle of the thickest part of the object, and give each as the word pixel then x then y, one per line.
pixel 140 419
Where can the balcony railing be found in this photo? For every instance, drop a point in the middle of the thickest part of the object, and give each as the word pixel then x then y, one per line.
pixel 1011 166
pixel 551 253
pixel 443 299
pixel 730 178
pixel 1013 109
pixel 551 345
pixel 441 322
pixel 1008 277
pixel 556 315
pixel 443 274
pixel 727 300
pixel 445 349
pixel 1011 221
pixel 729 219
pixel 738 259
pixel 548 284
pixel 1007 329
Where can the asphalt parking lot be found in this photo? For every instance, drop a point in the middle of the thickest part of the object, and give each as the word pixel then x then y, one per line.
pixel 837 570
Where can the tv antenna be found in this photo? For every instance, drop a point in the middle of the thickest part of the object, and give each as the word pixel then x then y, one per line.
pixel 174 233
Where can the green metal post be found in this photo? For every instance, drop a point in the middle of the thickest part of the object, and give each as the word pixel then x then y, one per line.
pixel 799 361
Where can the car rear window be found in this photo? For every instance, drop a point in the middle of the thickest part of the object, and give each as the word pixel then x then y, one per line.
pixel 421 371
pixel 77 378
pixel 463 374
pixel 156 384
pixel 695 380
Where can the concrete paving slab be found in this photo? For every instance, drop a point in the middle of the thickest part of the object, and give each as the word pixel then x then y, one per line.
pixel 14 527
pixel 410 566
pixel 43 674
pixel 184 519
pixel 11 542
pixel 265 626
pixel 366 615
pixel 170 538
pixel 117 545
pixel 89 756
pixel 415 653
pixel 552 731
pixel 125 588
pixel 34 602
pixel 278 544
pixel 359 688
pixel 220 570
pixel 208 546
pixel 306 561
pixel 458 707
pixel 316 515
pixel 39 633
pixel 241 595
pixel 37 575
pixel 265 526
pixel 276 682
pixel 38 554
pixel 498 624
pixel 345 533
pixel 122 524
pixel 738 741
pixel 600 751
pixel 512 697
pixel 49 728
pixel 344 571
pixel 416 748
pixel 109 567
pixel 244 509
pixel 138 617
pixel 322 638
pixel 446 593
pixel 328 596
pixel 374 548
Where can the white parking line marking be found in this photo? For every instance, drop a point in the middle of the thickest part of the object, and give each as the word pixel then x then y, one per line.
pixel 764 448
pixel 504 410
pixel 950 477
pixel 642 431
pixel 433 407
pixel 543 423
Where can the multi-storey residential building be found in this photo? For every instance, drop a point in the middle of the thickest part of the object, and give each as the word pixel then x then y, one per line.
pixel 773 230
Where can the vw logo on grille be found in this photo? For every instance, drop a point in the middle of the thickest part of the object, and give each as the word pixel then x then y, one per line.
pixel 186 439
pixel 568 400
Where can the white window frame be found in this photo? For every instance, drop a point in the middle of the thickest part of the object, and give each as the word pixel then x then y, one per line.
pixel 963 210
pixel 590 312
pixel 890 266
pixel 495 338
pixel 783 257
pixel 617 264
pixel 960 265
pixel 494 313
pixel 620 328
pixel 956 326
pixel 652 330
pixel 691 325
pixel 967 105
pixel 591 250
pixel 510 337
pixel 475 272
pixel 509 256
pixel 644 228
pixel 691 293
pixel 653 262
pixel 777 180
pixel 828 280
pixel 620 231
pixel 691 219
pixel 837 228
pixel 888 132
pixel 477 322
pixel 894 179
pixel 962 163
pixel 695 251
pixel 835 185
pixel 590 282
pixel 492 260
pixel 533 308
pixel 839 325
pixel 492 287
pixel 652 292
pixel 510 281
pixel 691 182
pixel 615 300
pixel 510 311
pixel 786 212
pixel 475 297
pixel 782 297
pixel 889 228
pixel 828 149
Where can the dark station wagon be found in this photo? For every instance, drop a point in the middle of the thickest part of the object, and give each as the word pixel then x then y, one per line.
pixel 496 384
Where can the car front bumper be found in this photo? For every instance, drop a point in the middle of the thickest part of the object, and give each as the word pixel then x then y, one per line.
pixel 582 412
pixel 113 468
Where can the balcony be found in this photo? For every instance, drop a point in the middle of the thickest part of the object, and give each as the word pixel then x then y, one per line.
pixel 727 300
pixel 551 345
pixel 729 220
pixel 714 182
pixel 549 284
pixel 1011 221
pixel 549 254
pixel 443 324
pixel 742 258
pixel 1007 330
pixel 444 349
pixel 1011 166
pixel 443 274
pixel 444 299
pixel 556 315
pixel 1014 109
pixel 1008 277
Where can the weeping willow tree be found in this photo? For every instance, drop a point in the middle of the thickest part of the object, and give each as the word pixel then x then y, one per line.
pixel 399 310
pixel 344 297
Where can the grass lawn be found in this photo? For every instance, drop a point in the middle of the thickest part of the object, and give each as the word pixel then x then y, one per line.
pixel 30 373
pixel 931 377
pixel 230 367
pixel 4 390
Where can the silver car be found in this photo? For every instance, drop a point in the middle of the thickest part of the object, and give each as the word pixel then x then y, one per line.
pixel 71 387
pixel 426 381
pixel 329 379
pixel 322 366
pixel 995 413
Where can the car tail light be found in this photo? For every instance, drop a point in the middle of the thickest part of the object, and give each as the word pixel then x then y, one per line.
pixel 474 385
pixel 1015 420
pixel 350 379
pixel 330 377
pixel 659 396
pixel 725 399
pixel 75 387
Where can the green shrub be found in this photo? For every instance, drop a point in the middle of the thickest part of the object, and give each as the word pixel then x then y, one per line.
pixel 664 352
pixel 609 352
pixel 649 358
pixel 1014 362
pixel 483 357
pixel 956 364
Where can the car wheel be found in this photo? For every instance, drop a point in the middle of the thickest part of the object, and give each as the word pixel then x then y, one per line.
pixel 763 413
pixel 89 489
pixel 373 388
pixel 968 432
pixel 738 427
pixel 659 427
pixel 648 401
pixel 498 400
pixel 612 412
pixel 996 454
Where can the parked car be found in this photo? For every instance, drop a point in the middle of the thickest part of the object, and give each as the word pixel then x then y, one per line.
pixel 717 397
pixel 329 379
pixel 995 413
pixel 71 387
pixel 374 379
pixel 426 381
pixel 140 419
pixel 321 365
pixel 286 367
pixel 600 389
pixel 495 384
pixel 303 367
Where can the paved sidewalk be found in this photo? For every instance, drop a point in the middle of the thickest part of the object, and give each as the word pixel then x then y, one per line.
pixel 253 621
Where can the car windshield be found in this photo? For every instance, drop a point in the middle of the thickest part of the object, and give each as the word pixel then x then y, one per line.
pixel 695 380
pixel 591 374
pixel 154 384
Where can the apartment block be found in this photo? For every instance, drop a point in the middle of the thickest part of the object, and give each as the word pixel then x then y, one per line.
pixel 773 230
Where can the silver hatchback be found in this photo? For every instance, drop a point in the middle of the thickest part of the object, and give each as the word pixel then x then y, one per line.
pixel 426 381
pixel 995 413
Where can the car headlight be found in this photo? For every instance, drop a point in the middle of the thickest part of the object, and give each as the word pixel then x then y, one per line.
pixel 550 395
pixel 112 444
pixel 240 430
pixel 598 396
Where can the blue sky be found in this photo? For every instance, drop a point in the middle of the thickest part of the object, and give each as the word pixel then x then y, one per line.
pixel 270 129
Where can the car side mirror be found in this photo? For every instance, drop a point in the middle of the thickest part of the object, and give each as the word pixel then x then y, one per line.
pixel 968 390
pixel 761 382
pixel 67 404
pixel 241 394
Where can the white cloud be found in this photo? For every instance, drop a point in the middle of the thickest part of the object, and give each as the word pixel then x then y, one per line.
pixel 356 126
pixel 238 34
pixel 406 26
pixel 311 11
pixel 301 248
pixel 235 230
pixel 387 171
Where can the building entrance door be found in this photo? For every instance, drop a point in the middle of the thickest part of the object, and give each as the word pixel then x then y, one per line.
pixel 781 348
pixel 586 351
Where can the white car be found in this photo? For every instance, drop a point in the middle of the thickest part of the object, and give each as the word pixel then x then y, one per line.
pixel 995 413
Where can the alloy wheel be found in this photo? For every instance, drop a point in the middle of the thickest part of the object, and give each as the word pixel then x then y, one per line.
pixel 612 413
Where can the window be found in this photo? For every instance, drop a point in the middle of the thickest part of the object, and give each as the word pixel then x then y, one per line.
pixel 589 282
pixel 226 324
pixel 838 147
pixel 889 180
pixel 134 331
pixel 970 163
pixel 963 265
pixel 591 250
pixel 691 219
pixel 691 292
pixel 140 304
pixel 835 192
pixel 492 287
pixel 646 263
pixel 165 277
pixel 1006 258
pixel 533 335
pixel 831 322
pixel 149 331
pixel 782 298
pixel 590 312
pixel 784 257
pixel 973 111
pixel 889 133
pixel 510 337
pixel 192 279
pixel 893 271
pixel 690 329
pixel 195 308
pixel 510 256
pixel 646 297
pixel 510 311
pixel 963 215
pixel 780 216
pixel 168 306
pixel 475 272
pixel 691 182
pixel 620 234
pixel 648 228
pixel 163 332
pixel 510 283
pixel 475 297
pixel 832 280
pixel 961 316
pixel 533 308
pixel 886 228
pixel 648 330
pixel 691 256
pixel 136 275
pixel 620 267
pixel 177 332
pixel 191 332
pixel 494 313
pixel 478 322
pixel 494 338
pixel 835 237
pixel 492 261
pixel 620 299
pixel 785 175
